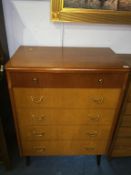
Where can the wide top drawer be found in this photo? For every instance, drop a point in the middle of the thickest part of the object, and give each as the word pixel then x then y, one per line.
pixel 66 97
pixel 70 80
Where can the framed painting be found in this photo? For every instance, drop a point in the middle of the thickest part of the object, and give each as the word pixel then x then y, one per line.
pixel 91 11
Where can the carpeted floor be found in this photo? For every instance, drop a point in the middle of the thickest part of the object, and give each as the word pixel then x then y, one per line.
pixel 80 165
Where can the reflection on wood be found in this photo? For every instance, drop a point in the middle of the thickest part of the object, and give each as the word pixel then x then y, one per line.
pixel 99 4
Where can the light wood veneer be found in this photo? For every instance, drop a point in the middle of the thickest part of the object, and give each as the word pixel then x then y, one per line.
pixel 65 100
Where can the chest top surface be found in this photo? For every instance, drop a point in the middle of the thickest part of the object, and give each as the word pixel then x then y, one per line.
pixel 65 59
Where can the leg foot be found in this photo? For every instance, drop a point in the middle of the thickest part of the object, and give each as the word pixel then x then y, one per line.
pixel 98 159
pixel 27 159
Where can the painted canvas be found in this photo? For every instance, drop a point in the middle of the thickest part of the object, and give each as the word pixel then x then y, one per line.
pixel 118 5
pixel 92 11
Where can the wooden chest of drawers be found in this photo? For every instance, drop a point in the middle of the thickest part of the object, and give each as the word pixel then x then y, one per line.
pixel 65 100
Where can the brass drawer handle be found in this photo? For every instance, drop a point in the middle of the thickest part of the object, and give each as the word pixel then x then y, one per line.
pixel 37 100
pixel 89 148
pixel 94 118
pixel 92 133
pixel 38 134
pixel 39 118
pixel 39 149
pixel 99 100
pixel 101 81
pixel 35 79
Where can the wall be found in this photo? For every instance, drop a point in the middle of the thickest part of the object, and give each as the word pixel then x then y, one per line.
pixel 28 23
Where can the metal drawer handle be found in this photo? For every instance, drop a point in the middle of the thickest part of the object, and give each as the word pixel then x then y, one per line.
pixel 89 148
pixel 38 134
pixel 39 149
pixel 94 118
pixel 35 79
pixel 39 118
pixel 92 133
pixel 98 100
pixel 100 81
pixel 37 100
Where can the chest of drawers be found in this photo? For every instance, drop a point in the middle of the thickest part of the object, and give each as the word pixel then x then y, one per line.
pixel 65 100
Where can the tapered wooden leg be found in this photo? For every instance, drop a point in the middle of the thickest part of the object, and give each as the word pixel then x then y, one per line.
pixel 98 159
pixel 27 159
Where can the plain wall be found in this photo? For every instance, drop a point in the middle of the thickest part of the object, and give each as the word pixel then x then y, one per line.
pixel 28 23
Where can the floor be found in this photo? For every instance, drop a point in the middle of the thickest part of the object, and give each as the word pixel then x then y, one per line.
pixel 80 165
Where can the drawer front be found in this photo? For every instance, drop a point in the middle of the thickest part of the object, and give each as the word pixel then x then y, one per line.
pixel 61 80
pixel 126 121
pixel 128 109
pixel 123 142
pixel 65 133
pixel 129 93
pixel 63 148
pixel 124 132
pixel 29 116
pixel 66 97
pixel 122 147
pixel 121 151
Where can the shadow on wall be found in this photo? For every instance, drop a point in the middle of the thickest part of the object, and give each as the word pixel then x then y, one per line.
pixel 28 23
pixel 18 27
pixel 13 21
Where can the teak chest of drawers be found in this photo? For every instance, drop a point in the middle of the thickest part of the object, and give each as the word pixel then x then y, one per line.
pixel 65 100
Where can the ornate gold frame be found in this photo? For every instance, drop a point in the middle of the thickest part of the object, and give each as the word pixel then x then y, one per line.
pixel 61 14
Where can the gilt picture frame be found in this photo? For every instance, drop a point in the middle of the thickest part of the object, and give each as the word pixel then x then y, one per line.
pixel 91 11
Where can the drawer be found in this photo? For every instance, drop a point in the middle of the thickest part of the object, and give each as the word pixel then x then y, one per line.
pixel 121 151
pixel 128 108
pixel 67 80
pixel 124 132
pixel 65 133
pixel 123 142
pixel 63 148
pixel 126 121
pixel 122 147
pixel 129 93
pixel 53 116
pixel 66 97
